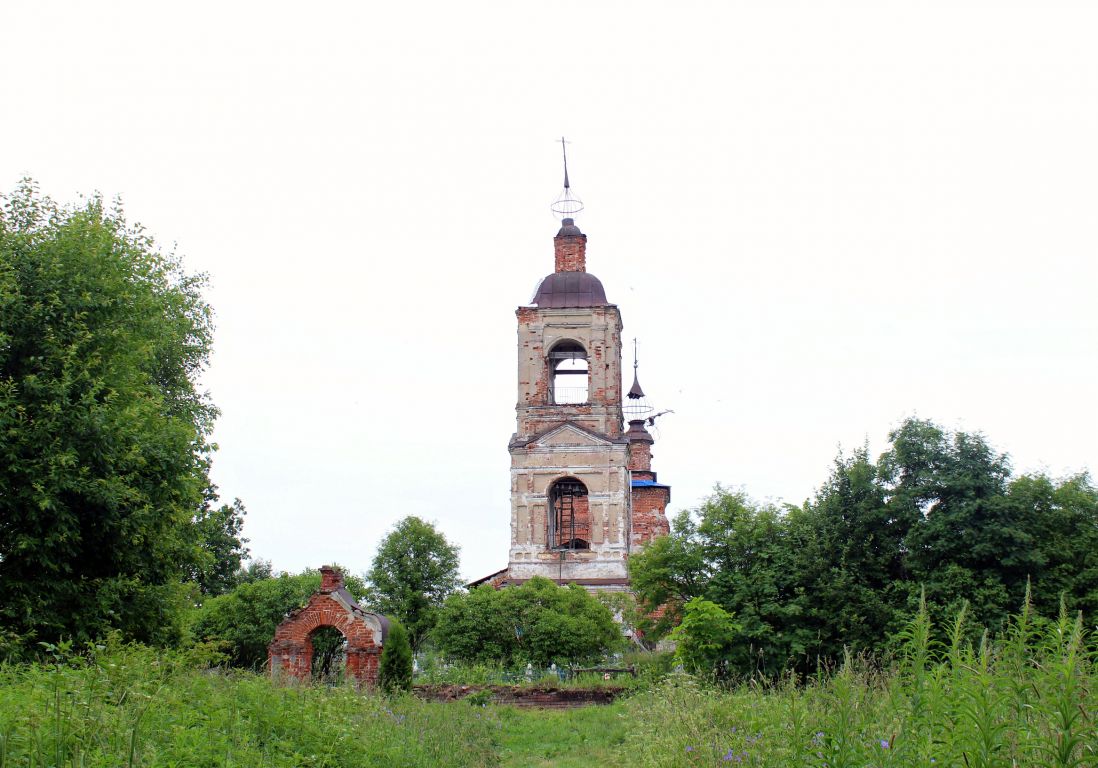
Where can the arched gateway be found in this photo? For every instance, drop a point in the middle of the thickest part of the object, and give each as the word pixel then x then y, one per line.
pixel 291 652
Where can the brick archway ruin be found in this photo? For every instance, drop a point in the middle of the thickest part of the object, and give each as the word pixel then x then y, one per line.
pixel 290 654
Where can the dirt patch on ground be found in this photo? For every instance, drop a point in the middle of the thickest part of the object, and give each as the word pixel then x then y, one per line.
pixel 521 695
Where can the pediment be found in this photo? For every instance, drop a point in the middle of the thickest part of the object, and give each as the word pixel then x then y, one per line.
pixel 568 435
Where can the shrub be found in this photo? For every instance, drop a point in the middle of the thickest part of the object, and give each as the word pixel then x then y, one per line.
pixel 704 639
pixel 538 623
pixel 395 669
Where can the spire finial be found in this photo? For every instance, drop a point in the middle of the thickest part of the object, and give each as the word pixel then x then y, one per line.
pixel 564 151
pixel 566 205
pixel 638 406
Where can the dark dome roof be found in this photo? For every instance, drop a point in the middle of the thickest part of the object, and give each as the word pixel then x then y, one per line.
pixel 570 289
pixel 568 228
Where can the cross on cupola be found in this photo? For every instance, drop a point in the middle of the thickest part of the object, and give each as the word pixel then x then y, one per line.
pixel 567 205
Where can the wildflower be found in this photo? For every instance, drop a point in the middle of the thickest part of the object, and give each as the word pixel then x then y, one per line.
pixel 689 749
pixel 884 743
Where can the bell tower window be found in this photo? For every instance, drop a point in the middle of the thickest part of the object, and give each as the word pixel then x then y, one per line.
pixel 568 374
pixel 570 521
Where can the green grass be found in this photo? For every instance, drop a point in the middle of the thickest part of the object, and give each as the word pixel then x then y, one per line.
pixel 132 706
pixel 1028 701
pixel 566 738
pixel 437 673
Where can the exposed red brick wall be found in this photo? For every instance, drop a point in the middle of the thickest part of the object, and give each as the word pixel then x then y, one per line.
pixel 330 579
pixel 583 518
pixel 583 415
pixel 290 654
pixel 640 457
pixel 602 412
pixel 649 520
pixel 570 252
pixel 539 393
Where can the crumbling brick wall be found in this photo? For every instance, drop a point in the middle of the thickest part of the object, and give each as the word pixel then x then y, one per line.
pixel 649 518
pixel 290 654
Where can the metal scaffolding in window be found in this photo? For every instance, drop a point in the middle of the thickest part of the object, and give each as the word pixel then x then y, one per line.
pixel 570 522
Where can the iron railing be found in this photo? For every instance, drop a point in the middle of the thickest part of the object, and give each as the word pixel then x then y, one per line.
pixel 569 395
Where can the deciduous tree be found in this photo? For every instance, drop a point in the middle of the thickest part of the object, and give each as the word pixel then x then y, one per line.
pixel 538 622
pixel 414 571
pixel 103 431
pixel 936 514
pixel 219 546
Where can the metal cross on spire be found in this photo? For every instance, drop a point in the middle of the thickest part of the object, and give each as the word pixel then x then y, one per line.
pixel 566 205
pixel 564 152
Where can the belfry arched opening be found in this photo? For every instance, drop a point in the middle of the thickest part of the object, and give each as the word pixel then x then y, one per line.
pixel 570 521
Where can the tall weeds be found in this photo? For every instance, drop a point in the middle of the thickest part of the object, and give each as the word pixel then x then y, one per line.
pixel 1026 700
pixel 131 706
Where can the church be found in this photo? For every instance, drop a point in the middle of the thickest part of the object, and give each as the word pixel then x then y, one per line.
pixel 583 492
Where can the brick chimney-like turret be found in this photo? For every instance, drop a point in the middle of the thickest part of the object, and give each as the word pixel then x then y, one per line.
pixel 640 450
pixel 331 578
pixel 570 248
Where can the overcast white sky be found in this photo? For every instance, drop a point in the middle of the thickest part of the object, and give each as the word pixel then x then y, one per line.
pixel 818 218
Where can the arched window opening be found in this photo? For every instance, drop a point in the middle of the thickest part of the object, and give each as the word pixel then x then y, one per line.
pixel 329 655
pixel 570 521
pixel 568 381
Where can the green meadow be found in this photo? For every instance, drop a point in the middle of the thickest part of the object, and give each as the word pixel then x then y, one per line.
pixel 1027 700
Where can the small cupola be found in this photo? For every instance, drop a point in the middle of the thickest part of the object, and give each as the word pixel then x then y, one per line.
pixel 570 248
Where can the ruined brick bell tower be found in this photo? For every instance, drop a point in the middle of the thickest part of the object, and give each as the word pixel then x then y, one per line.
pixel 583 494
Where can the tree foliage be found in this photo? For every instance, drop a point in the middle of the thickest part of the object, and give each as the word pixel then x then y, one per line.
pixel 937 510
pixel 219 546
pixel 704 639
pixel 395 667
pixel 667 573
pixel 254 570
pixel 538 622
pixel 103 433
pixel 414 571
